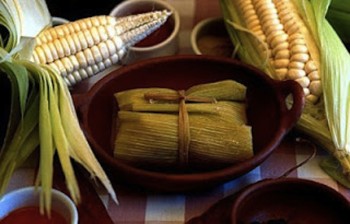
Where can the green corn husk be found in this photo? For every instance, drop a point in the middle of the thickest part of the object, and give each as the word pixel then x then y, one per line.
pixel 127 99
pixel 223 109
pixel 150 139
pixel 147 130
pixel 23 21
pixel 223 90
pixel 18 130
pixel 336 86
pixel 46 119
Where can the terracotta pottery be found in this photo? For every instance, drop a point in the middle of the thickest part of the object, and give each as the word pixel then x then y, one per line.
pixel 267 113
pixel 290 200
pixel 278 201
pixel 210 37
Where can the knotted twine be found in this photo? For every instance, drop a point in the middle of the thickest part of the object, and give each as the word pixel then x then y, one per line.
pixel 184 136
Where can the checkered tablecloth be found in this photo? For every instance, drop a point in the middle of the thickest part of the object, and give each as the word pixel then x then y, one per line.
pixel 137 207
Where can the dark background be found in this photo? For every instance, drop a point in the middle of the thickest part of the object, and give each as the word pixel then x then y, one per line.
pixel 77 9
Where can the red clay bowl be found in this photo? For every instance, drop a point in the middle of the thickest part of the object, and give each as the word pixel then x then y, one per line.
pixel 290 200
pixel 266 111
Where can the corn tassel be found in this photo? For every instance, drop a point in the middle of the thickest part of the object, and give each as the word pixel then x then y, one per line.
pixel 264 30
pixel 82 48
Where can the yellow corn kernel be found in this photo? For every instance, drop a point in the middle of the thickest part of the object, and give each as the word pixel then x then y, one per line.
pixel 283 35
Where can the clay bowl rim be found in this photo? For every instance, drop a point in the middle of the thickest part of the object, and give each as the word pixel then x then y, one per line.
pixel 263 185
pixel 290 117
pixel 30 196
pixel 201 29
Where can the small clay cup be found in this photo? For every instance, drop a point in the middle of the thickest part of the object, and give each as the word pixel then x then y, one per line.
pixel 210 37
pixel 30 196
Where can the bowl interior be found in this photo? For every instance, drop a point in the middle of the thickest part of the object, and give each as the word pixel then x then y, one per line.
pixel 210 37
pixel 290 201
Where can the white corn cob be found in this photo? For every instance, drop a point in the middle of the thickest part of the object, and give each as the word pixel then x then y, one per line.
pixel 83 48
pixel 282 36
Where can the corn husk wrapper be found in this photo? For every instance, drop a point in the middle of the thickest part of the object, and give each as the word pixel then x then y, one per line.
pixel 147 129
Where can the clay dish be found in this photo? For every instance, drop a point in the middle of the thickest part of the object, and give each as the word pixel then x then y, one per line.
pixel 290 200
pixel 267 113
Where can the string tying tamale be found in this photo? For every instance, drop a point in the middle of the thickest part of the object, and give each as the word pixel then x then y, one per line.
pixel 202 127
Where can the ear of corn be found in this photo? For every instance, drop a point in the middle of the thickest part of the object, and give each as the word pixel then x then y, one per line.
pixel 42 113
pixel 83 48
pixel 291 39
pixel 273 37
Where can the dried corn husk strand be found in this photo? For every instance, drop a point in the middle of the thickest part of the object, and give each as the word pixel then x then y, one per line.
pixel 148 127
pixel 83 48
